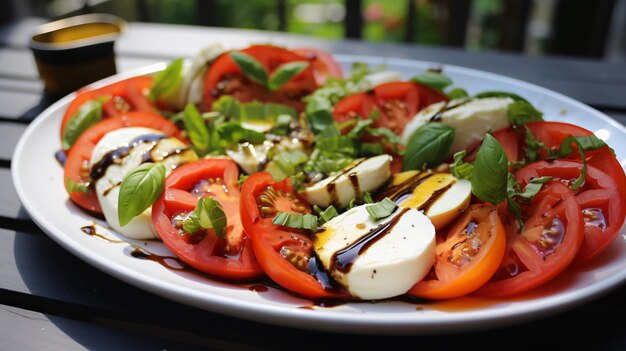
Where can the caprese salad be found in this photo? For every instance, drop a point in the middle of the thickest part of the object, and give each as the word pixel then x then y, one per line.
pixel 271 161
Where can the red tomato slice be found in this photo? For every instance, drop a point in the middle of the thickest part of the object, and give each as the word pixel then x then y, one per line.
pixel 468 256
pixel 396 102
pixel 125 96
pixel 285 254
pixel 552 135
pixel 225 78
pixel 545 247
pixel 324 65
pixel 229 258
pixel 603 208
pixel 77 164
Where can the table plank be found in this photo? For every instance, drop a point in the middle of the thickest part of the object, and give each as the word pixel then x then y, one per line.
pixel 72 289
pixel 27 330
pixel 10 205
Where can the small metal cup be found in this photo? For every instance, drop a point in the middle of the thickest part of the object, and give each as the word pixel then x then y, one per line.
pixel 73 52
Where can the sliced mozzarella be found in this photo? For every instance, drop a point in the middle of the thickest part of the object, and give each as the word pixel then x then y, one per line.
pixel 249 156
pixel 470 118
pixel 169 151
pixel 191 88
pixel 441 197
pixel 400 252
pixel 252 158
pixel 339 189
pixel 373 79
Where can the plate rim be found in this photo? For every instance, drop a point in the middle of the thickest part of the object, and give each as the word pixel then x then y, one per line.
pixel 298 317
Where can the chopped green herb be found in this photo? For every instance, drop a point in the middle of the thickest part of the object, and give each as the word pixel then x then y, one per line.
pixel 296 220
pixel 381 209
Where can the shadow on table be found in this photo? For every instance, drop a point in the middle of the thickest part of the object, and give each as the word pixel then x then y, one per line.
pixel 112 313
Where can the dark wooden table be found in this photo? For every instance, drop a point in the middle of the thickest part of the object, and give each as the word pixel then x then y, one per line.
pixel 50 300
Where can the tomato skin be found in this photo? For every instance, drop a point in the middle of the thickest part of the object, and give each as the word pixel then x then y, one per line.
pixel 80 153
pixel 267 240
pixel 324 65
pixel 209 255
pixel 525 265
pixel 396 102
pixel 454 280
pixel 599 191
pixel 225 78
pixel 507 137
pixel 130 91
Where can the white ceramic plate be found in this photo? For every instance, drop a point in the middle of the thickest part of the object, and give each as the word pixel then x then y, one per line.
pixel 38 179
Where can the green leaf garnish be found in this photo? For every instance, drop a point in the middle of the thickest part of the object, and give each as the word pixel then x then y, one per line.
pixel 487 94
pixel 208 214
pixel 232 133
pixel 284 73
pixel 428 146
pixel 251 67
pixel 168 80
pixel 140 188
pixel 490 174
pixel 514 192
pixel 196 128
pixel 583 143
pixel 521 112
pixel 325 215
pixel 457 93
pixel 72 186
pixel 296 220
pixel 381 209
pixel 432 79
pixel 459 168
pixel 88 114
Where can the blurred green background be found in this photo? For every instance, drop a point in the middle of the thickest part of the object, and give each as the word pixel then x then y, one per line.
pixel 587 28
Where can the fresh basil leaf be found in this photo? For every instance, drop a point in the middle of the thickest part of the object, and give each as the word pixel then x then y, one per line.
pixel 232 133
pixel 319 114
pixel 326 162
pixel 296 220
pixel 251 67
pixel 72 186
pixel 381 209
pixel 338 144
pixel 359 127
pixel 521 112
pixel 461 169
pixel 489 178
pixel 140 188
pixel 457 93
pixel 208 214
pixel 325 215
pixel 298 181
pixel 285 72
pixel 432 79
pixel 196 128
pixel 584 143
pixel 168 80
pixel 367 198
pixel 487 94
pixel 428 146
pixel 533 187
pixel 88 114
pixel 514 192
pixel 286 163
pixel 227 106
pixel 242 179
pixel 533 146
pixel 370 149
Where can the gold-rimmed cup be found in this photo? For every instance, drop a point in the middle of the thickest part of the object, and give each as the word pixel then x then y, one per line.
pixel 73 52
